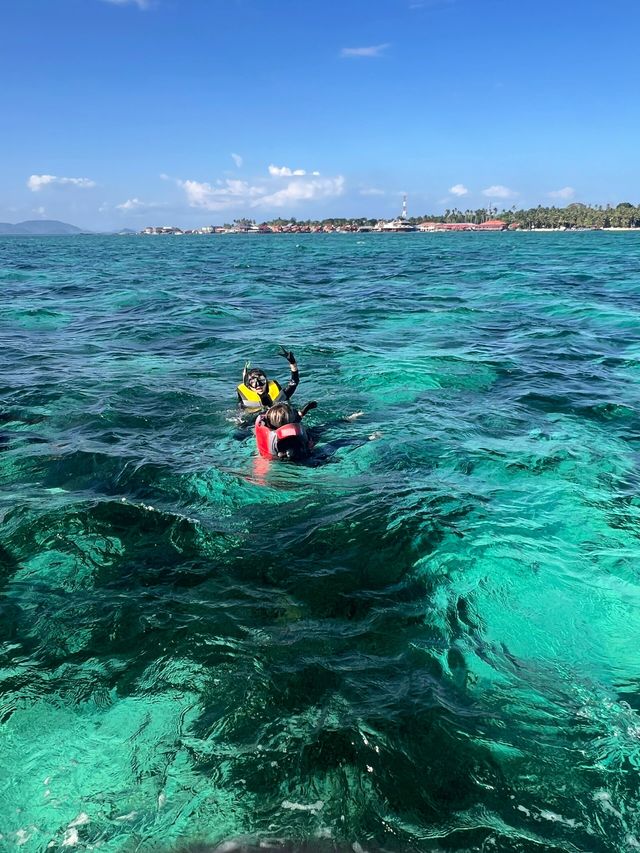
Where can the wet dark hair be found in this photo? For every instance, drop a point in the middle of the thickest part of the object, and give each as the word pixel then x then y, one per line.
pixel 279 415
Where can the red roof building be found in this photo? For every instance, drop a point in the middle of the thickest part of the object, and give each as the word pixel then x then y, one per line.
pixel 492 225
pixel 459 226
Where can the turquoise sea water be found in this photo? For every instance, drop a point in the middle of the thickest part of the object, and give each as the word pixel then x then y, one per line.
pixel 427 642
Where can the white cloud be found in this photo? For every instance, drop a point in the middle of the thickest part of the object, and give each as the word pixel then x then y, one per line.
pixel 371 191
pixel 229 193
pixel 37 182
pixel 302 191
pixel 498 191
pixel 286 172
pixel 459 190
pixel 132 204
pixel 225 194
pixel 237 159
pixel 372 51
pixel 565 193
pixel 39 210
pixel 141 4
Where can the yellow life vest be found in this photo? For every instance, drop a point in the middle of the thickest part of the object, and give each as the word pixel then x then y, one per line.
pixel 250 399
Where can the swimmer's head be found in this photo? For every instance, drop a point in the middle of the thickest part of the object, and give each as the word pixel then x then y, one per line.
pixel 256 379
pixel 279 415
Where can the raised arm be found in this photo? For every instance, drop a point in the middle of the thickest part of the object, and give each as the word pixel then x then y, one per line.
pixel 295 375
pixel 307 408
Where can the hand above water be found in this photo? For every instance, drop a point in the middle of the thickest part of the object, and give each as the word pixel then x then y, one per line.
pixel 285 353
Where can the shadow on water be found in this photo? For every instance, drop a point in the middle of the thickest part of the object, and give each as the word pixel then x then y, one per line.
pixel 14 436
pixel 354 677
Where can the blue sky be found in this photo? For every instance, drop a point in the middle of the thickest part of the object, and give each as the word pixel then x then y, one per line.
pixel 119 113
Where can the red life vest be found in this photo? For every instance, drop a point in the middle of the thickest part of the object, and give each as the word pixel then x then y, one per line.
pixel 290 441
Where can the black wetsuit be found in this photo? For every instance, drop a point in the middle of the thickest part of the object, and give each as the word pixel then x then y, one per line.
pixel 265 399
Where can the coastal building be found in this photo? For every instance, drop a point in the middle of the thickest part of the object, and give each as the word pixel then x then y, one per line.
pixel 340 226
pixel 446 226
pixel 492 225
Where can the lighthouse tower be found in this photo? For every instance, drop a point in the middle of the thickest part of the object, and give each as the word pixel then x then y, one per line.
pixel 404 207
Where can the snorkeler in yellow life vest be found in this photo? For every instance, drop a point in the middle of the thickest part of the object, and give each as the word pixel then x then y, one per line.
pixel 256 391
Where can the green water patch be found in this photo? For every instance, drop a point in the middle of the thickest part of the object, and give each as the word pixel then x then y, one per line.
pixel 404 379
pixel 146 789
pixel 542 586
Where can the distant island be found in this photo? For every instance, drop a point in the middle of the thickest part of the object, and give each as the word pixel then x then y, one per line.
pixel 39 228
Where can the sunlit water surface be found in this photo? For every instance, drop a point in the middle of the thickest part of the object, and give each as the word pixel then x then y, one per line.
pixel 427 641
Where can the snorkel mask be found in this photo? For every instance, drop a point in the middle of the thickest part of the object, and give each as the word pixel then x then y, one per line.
pixel 256 379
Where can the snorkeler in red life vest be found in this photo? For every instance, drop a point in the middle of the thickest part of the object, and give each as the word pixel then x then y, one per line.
pixel 257 392
pixel 280 433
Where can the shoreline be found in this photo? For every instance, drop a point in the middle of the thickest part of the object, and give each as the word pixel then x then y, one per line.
pixel 181 233
pixel 187 233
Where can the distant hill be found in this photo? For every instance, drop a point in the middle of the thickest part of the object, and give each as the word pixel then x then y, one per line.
pixel 39 228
